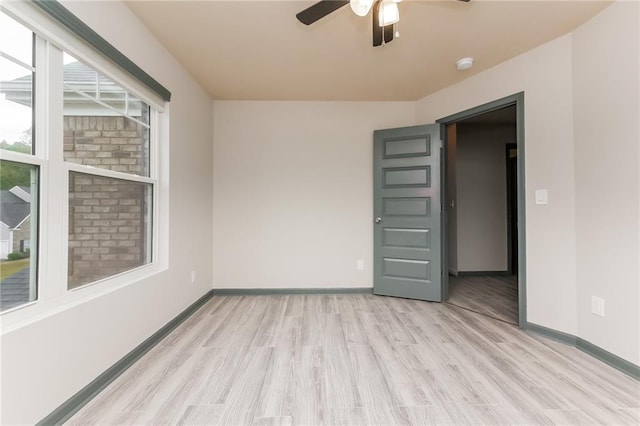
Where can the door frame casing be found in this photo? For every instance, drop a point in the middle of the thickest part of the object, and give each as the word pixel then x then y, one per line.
pixel 510 218
pixel 516 100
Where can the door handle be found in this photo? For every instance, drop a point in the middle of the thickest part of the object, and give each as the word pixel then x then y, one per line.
pixel 378 219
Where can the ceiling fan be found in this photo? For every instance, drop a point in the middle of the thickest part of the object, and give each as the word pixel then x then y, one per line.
pixel 385 15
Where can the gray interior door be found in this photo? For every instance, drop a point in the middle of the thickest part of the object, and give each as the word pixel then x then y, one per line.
pixel 407 245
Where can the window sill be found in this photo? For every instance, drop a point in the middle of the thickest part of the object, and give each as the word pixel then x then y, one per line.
pixel 42 308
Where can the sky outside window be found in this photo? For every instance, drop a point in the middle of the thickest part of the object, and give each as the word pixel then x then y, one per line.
pixel 16 41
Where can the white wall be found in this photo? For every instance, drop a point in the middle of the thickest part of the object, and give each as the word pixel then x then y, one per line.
pixel 481 203
pixel 607 144
pixel 53 356
pixel 545 75
pixel 293 191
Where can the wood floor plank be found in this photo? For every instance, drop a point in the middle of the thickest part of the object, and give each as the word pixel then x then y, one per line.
pixel 386 415
pixel 310 388
pixel 267 331
pixel 350 320
pixel 142 399
pixel 111 418
pixel 167 405
pixel 219 381
pixel 372 385
pixel 313 321
pixel 242 400
pixel 630 416
pixel 201 415
pixel 394 364
pixel 339 379
pixel 295 306
pixel 241 325
pixel 353 416
pixel 272 421
pixel 278 391
pixel 359 360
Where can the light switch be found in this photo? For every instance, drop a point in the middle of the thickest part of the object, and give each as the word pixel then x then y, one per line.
pixel 542 196
pixel 597 306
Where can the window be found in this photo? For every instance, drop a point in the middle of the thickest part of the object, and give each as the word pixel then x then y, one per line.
pixel 19 169
pixel 77 158
pixel 106 128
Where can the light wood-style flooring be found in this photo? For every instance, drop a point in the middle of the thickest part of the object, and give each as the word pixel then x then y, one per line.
pixel 492 295
pixel 360 360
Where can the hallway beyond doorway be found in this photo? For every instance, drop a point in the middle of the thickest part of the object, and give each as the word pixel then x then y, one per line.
pixel 495 296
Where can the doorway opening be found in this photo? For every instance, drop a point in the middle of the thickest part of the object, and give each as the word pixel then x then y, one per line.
pixel 483 210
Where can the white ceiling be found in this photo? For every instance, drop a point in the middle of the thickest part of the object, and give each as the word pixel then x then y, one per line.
pixel 257 50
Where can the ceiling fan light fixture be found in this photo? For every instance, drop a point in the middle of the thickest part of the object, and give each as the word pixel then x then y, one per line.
pixel 361 7
pixel 389 13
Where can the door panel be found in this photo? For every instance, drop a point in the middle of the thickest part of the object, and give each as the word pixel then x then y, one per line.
pixel 407 245
pixel 406 207
pixel 406 177
pixel 406 147
pixel 408 238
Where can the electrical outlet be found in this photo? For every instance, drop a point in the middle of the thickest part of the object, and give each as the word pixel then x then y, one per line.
pixel 360 265
pixel 597 306
pixel 193 277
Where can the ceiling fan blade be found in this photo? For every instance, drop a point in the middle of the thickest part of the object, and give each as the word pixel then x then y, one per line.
pixel 319 10
pixel 377 29
pixel 388 33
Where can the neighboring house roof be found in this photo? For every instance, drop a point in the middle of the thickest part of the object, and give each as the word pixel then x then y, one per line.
pixel 14 209
pixel 74 72
pixel 77 72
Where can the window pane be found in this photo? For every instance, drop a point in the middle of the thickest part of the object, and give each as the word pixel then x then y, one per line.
pixel 18 233
pixel 16 40
pixel 16 117
pixel 105 126
pixel 109 227
pixel 106 142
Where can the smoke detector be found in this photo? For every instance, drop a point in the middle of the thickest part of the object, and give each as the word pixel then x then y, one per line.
pixel 464 64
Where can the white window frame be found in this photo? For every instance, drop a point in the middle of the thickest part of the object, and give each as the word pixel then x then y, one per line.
pixel 53 294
